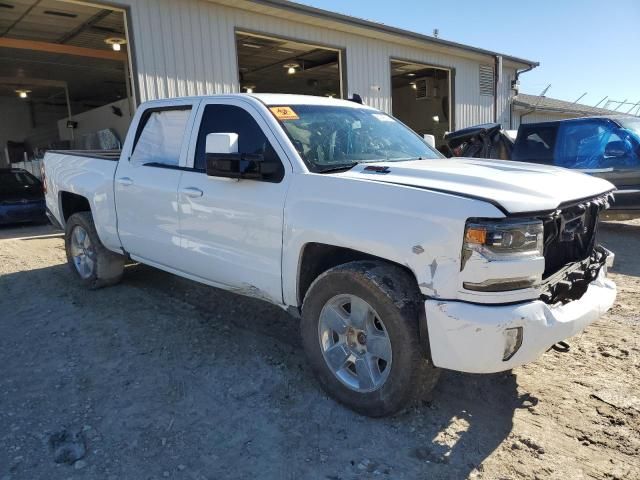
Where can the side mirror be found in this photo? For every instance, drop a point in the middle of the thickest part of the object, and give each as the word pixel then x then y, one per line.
pixel 222 143
pixel 616 149
pixel 430 140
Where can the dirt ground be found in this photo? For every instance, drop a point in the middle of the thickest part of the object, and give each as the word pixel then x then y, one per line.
pixel 160 377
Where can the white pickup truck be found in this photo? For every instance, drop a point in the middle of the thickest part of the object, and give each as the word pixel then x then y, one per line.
pixel 399 262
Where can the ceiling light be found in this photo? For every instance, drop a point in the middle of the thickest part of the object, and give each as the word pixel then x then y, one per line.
pixel 282 50
pixel 436 118
pixel 249 88
pixel 291 68
pixel 251 45
pixel 414 85
pixel 23 93
pixel 411 74
pixel 116 43
pixel 60 14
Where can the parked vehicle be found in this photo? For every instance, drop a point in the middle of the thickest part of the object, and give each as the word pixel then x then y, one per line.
pixel 399 261
pixel 21 197
pixel 605 147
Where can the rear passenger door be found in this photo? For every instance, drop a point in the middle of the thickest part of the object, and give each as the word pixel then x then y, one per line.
pixel 231 230
pixel 146 183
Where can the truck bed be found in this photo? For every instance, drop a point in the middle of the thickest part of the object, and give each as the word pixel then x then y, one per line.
pixel 88 174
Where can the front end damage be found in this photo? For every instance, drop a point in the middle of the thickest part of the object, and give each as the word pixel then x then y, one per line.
pixel 485 332
pixel 572 256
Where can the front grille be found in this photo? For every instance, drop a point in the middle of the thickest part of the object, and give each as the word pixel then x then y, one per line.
pixel 570 233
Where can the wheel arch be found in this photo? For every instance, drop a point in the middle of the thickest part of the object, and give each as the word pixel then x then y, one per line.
pixel 316 258
pixel 71 203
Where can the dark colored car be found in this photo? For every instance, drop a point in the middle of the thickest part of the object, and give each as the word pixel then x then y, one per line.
pixel 481 141
pixel 605 147
pixel 21 197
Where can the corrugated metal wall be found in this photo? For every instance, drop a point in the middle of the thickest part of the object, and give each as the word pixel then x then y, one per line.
pixel 539 117
pixel 187 47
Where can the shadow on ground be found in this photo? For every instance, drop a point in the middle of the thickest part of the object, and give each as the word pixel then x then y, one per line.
pixel 624 240
pixel 23 230
pixel 166 375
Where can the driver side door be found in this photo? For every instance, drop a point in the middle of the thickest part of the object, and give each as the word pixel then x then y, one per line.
pixel 231 229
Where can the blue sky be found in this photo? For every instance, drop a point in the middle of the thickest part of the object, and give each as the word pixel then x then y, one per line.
pixel 582 46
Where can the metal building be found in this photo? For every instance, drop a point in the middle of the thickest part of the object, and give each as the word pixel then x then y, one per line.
pixel 536 108
pixel 59 55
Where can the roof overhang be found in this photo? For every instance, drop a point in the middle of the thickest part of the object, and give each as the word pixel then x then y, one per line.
pixel 561 110
pixel 349 24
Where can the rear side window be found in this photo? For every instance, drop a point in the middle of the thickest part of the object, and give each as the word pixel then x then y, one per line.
pixel 251 138
pixel 160 136
pixel 535 144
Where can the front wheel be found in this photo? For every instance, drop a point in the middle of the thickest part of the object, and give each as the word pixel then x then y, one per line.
pixel 89 260
pixel 360 331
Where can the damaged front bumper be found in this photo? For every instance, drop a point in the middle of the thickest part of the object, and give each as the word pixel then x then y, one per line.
pixel 476 338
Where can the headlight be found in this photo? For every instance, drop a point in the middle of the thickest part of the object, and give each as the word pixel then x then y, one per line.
pixel 510 240
pixel 498 240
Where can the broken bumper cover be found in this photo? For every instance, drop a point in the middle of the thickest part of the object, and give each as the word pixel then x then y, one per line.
pixel 471 338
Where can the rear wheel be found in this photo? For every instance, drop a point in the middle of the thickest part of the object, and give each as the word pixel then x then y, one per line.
pixel 91 262
pixel 360 331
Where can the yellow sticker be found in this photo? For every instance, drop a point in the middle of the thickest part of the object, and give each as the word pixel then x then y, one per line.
pixel 284 113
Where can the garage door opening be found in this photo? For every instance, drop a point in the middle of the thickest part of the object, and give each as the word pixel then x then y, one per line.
pixel 421 97
pixel 64 78
pixel 271 65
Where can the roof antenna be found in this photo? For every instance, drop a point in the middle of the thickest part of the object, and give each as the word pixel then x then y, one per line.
pixel 357 99
pixel 436 33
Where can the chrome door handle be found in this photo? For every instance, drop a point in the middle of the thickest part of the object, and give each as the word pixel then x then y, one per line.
pixel 192 192
pixel 125 181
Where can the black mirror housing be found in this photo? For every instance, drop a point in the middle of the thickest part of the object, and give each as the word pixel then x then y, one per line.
pixel 616 149
pixel 236 165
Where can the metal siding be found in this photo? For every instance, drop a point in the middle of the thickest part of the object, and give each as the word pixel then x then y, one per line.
pixel 187 47
pixel 539 117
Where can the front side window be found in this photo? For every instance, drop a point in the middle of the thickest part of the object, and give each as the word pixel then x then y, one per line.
pixel 251 138
pixel 593 144
pixel 161 136
pixel 333 137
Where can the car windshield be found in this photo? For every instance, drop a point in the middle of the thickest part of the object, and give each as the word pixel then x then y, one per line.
pixel 18 183
pixel 14 180
pixel 330 138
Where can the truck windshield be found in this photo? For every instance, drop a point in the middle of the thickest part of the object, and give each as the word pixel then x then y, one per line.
pixel 330 138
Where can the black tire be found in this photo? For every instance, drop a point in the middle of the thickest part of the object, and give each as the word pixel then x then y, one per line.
pixel 108 266
pixel 394 295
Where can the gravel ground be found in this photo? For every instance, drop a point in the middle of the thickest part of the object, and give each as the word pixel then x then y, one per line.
pixel 160 377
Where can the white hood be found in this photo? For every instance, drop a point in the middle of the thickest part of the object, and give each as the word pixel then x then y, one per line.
pixel 515 186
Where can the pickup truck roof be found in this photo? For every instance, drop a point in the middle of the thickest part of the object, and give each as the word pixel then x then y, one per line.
pixel 272 99
pixel 617 119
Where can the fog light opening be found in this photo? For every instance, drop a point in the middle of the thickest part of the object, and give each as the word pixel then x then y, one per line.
pixel 512 342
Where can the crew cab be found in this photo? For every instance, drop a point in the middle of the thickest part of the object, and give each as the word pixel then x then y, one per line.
pixel 398 261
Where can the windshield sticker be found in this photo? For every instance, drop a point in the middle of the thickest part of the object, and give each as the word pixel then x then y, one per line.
pixel 284 113
pixel 382 117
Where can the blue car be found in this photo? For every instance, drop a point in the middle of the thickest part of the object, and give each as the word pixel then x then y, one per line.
pixel 21 197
